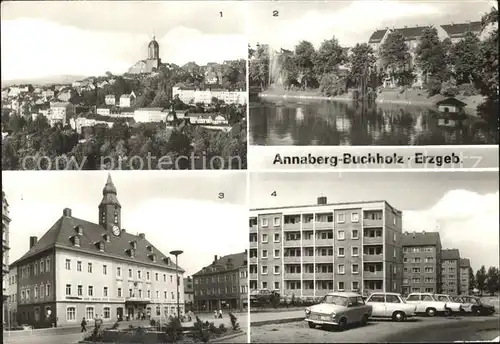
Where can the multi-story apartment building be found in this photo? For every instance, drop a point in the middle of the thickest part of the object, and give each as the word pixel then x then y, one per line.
pixel 465 275
pixel 10 314
pixel 313 249
pixel 83 269
pixel 421 262
pixel 222 284
pixel 5 255
pixel 188 293
pixel 450 270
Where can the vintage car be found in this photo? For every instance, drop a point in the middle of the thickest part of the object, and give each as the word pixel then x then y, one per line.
pixel 466 306
pixel 390 305
pixel 262 297
pixel 427 304
pixel 339 309
pixel 450 303
pixel 478 307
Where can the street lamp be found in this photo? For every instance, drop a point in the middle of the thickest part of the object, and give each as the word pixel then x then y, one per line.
pixel 177 253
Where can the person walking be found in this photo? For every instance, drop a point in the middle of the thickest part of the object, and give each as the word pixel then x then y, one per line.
pixel 220 313
pixel 215 314
pixel 84 325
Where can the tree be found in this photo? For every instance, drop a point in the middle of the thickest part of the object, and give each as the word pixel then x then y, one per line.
pixel 304 56
pixel 259 66
pixel 472 279
pixel 328 57
pixel 396 58
pixel 481 279
pixel 466 57
pixel 488 63
pixel 492 280
pixel 361 61
pixel 430 55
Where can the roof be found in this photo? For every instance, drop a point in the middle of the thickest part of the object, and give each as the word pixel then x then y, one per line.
pixel 454 30
pixel 150 109
pixel 344 293
pixel 450 254
pixel 65 104
pixel 323 205
pixel 420 239
pixel 464 263
pixel 451 101
pixel 377 36
pixel 410 33
pixel 238 260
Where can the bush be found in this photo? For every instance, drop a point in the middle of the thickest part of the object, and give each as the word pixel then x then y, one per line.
pixel 449 88
pixel 222 328
pixel 331 85
pixel 467 90
pixel 234 322
pixel 174 328
pixel 97 334
pixel 201 334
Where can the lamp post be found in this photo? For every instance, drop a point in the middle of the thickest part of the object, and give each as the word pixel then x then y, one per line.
pixel 177 253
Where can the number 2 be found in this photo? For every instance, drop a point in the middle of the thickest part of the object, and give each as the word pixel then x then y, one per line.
pixel 275 13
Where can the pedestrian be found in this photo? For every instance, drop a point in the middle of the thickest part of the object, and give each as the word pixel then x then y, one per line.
pixel 220 313
pixel 84 325
pixel 215 314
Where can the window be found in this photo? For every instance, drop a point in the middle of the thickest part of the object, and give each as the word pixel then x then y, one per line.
pixel 341 269
pixel 355 251
pixel 89 268
pixel 68 264
pixel 119 271
pixel 392 299
pixel 429 270
pixel 147 275
pixel 427 298
pixel 149 294
pixel 105 292
pixel 130 273
pixel 104 269
pixel 341 252
pixel 276 269
pixel 264 269
pixel 47 289
pixel 378 298
pixel 355 268
pixel 340 218
pixel 264 285
pixel 276 221
pixel 413 298
pixel 79 290
pixel 70 313
pixel 264 238
pixel 341 235
pixel 276 253
pixel 341 286
pixel 354 234
pixel 68 289
pixel 355 285
pixel 276 237
pixel 264 222
pixel 394 253
pixel 89 313
pixel 119 292
pixel 354 217
pixel 35 293
pixel 394 237
pixel 264 253
pixel 156 276
pixel 107 313
pixel 277 285
pixel 91 290
pixel 138 274
pixel 78 266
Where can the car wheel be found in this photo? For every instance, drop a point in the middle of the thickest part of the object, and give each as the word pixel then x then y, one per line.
pixel 311 324
pixel 364 320
pixel 398 316
pixel 430 312
pixel 342 325
pixel 447 312
pixel 477 311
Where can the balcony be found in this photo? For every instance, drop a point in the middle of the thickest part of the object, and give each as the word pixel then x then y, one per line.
pixel 253 244
pixel 372 223
pixel 307 259
pixel 324 259
pixel 253 276
pixel 373 240
pixel 292 276
pixel 308 276
pixel 324 225
pixel 292 243
pixel 253 260
pixel 373 258
pixel 307 242
pixel 373 275
pixel 324 242
pixel 253 229
pixel 291 259
pixel 324 276
pixel 307 225
pixel 291 226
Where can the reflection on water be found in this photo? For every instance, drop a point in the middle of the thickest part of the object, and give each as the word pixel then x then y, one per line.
pixel 334 123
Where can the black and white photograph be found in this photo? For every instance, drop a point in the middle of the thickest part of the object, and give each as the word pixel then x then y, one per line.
pixel 123 85
pixel 373 73
pixel 373 257
pixel 124 257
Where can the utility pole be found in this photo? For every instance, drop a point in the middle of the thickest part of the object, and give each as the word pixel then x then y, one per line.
pixel 176 254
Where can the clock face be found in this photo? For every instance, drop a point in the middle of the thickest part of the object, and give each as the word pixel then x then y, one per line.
pixel 116 230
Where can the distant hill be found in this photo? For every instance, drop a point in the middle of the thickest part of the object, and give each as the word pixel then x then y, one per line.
pixel 56 79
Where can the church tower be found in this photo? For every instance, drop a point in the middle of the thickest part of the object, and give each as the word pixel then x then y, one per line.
pixel 110 208
pixel 153 50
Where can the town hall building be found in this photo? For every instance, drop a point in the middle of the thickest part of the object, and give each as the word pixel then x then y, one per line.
pixel 82 269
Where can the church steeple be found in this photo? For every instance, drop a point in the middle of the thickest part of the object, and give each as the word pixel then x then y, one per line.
pixel 110 208
pixel 153 49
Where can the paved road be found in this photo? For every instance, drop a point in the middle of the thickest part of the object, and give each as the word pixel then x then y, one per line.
pixel 73 335
pixel 420 330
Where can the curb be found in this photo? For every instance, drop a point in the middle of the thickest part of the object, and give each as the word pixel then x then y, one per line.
pixel 234 335
pixel 276 321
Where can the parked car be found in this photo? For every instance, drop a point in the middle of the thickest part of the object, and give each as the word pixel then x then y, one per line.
pixel 390 305
pixel 478 307
pixel 426 303
pixel 450 303
pixel 261 297
pixel 339 309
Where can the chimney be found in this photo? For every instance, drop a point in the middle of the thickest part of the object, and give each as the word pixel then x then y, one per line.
pixel 322 200
pixel 142 235
pixel 67 212
pixel 33 241
pixel 215 258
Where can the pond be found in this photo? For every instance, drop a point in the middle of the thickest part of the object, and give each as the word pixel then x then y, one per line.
pixel 322 123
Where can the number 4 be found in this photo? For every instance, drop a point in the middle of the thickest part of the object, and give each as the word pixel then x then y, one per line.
pixel 274 194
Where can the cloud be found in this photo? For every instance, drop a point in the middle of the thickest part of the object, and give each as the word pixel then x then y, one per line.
pixel 465 220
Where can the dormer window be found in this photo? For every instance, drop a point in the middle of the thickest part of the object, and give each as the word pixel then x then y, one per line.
pixel 133 244
pixel 166 260
pixel 79 230
pixel 76 241
pixel 131 253
pixel 106 237
pixel 150 248
pixel 152 257
pixel 101 246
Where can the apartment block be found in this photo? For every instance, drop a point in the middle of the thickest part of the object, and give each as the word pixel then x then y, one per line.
pixel 465 274
pixel 450 269
pixel 6 285
pixel 421 262
pixel 314 249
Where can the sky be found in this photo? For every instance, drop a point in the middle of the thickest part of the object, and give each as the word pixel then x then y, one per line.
pixel 88 38
pixel 175 210
pixel 350 22
pixel 462 206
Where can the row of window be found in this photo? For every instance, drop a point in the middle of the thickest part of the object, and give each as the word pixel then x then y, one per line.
pixel 296 269
pixel 417 280
pixel 322 218
pixel 119 292
pixel 418 270
pixel 37 292
pixel 418 249
pixel 38 267
pixel 89 313
pixel 219 278
pixel 418 260
pixel 221 291
pixel 296 285
pixel 420 290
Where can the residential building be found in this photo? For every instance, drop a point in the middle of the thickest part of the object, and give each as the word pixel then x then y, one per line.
pixel 313 249
pixel 465 276
pixel 48 93
pixel 188 293
pixel 421 262
pixel 5 256
pixel 127 100
pixel 190 95
pixel 110 99
pixel 456 32
pixel 60 112
pixel 79 123
pixel 145 115
pixel 450 270
pixel 10 312
pixel 222 284
pixel 83 269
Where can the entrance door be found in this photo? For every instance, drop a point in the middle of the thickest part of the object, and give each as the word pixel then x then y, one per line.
pixel 130 313
pixel 119 313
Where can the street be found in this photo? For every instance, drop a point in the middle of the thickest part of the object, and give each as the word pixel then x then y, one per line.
pixel 419 330
pixel 73 335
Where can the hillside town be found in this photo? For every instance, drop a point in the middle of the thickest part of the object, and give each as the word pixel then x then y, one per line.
pixel 152 96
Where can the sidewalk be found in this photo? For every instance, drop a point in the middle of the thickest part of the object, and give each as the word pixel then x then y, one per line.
pixel 264 318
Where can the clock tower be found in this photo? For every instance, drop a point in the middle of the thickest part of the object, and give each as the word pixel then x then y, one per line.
pixel 110 208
